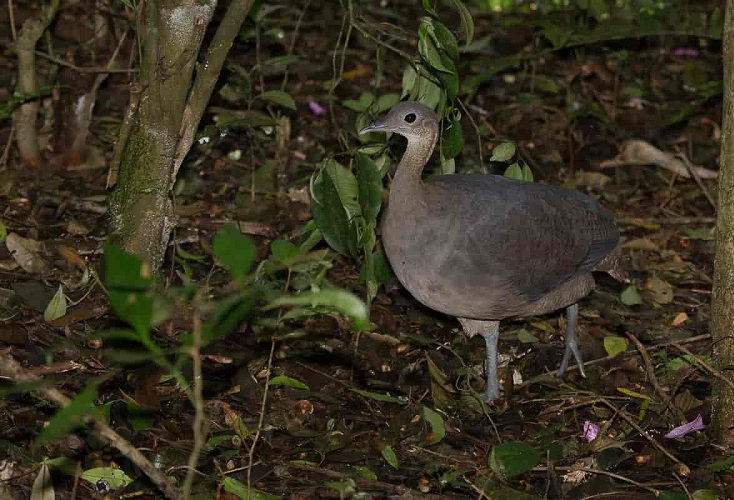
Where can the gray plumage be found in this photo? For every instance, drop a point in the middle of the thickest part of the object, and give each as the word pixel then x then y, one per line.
pixel 483 247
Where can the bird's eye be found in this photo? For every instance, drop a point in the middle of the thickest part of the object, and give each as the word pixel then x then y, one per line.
pixel 409 118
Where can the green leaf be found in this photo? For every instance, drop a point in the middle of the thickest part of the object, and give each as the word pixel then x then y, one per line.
pixel 449 81
pixel 705 495
pixel 427 47
pixel 453 140
pixel 527 174
pixel 390 457
pixel 241 490
pixel 228 314
pixel 129 283
pixel 234 250
pixel 630 296
pixel 511 459
pixel 428 93
pixel 377 396
pixel 285 251
pixel 615 345
pixel 386 101
pixel 69 417
pixel 115 478
pixel 526 337
pixel 706 233
pixel 435 420
pixel 282 380
pixel 279 97
pixel 446 40
pixel 448 167
pixel 369 181
pixel 338 300
pixel 3 232
pixel 56 307
pixel 346 186
pixel 410 79
pixel 503 152
pixel 513 172
pixel 330 216
pixel 429 8
pixel 467 23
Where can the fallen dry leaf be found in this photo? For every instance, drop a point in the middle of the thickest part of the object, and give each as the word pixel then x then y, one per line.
pixel 26 252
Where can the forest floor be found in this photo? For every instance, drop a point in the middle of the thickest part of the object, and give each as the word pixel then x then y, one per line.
pixel 570 113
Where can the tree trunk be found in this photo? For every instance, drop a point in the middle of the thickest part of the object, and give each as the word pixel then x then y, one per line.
pixel 140 207
pixel 722 324
pixel 171 33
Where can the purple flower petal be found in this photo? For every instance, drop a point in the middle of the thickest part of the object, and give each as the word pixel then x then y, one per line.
pixel 680 431
pixel 316 108
pixel 591 431
pixel 686 52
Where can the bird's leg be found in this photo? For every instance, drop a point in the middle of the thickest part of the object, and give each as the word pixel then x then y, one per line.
pixel 491 337
pixel 572 342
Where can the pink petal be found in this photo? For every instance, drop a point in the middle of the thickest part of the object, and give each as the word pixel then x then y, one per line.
pixel 591 431
pixel 685 52
pixel 680 431
pixel 316 108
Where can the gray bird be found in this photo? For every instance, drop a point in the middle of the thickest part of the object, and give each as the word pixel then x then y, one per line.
pixel 484 248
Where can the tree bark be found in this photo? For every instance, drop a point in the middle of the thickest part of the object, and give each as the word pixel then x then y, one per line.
pixel 169 110
pixel 722 325
pixel 140 207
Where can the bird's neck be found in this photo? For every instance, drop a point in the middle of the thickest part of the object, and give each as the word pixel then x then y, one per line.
pixel 414 159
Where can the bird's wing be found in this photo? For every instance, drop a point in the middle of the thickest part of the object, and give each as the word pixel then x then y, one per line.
pixel 524 238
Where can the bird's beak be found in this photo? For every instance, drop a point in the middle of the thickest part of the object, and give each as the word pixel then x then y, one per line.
pixel 375 126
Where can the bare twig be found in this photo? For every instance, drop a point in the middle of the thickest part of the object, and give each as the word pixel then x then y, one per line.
pixel 199 425
pixel 650 369
pixel 261 421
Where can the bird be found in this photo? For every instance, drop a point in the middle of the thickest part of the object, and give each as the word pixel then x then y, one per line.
pixel 485 248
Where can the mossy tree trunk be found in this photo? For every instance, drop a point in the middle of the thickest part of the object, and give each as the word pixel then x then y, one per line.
pixel 169 107
pixel 722 326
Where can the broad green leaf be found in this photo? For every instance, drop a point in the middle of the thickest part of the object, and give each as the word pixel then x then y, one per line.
pixel 330 216
pixel 453 140
pixel 390 457
pixel 428 93
pixel 129 283
pixel 427 47
pixel 345 488
pixel 115 478
pixel 448 167
pixel 282 380
pixel 377 396
pixel 363 472
pixel 449 80
pixel 513 172
pixel 630 296
pixel 69 417
pixel 526 337
pixel 369 183
pixel 705 495
pixel 615 345
pixel 279 97
pixel 527 174
pixel 513 458
pixel 662 291
pixel 503 152
pixel 410 79
pixel 234 250
pixel 672 495
pixel 241 490
pixel 446 40
pixel 386 101
pixel 3 232
pixel 467 23
pixel 435 420
pixel 345 184
pixel 338 300
pixel 285 251
pixel 228 314
pixel 56 307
